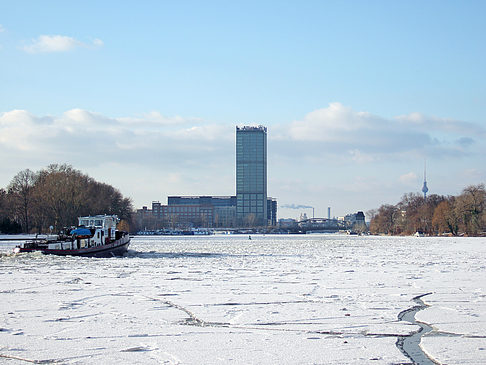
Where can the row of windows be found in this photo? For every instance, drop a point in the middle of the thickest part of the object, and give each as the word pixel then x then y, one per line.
pixel 257 167
pixel 249 210
pixel 251 160
pixel 186 215
pixel 243 190
pixel 252 203
pixel 251 169
pixel 91 223
pixel 251 147
pixel 249 196
pixel 249 164
pixel 246 155
pixel 247 177
pixel 180 209
pixel 250 175
pixel 260 168
pixel 250 185
pixel 254 150
pixel 255 160
pixel 249 182
pixel 190 215
pixel 247 141
pixel 250 139
pixel 250 144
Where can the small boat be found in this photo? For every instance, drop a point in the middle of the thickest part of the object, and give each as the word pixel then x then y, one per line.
pixel 95 236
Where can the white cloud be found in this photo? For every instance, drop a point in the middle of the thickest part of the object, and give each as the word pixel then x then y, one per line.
pixel 177 154
pixel 2 29
pixel 328 124
pixel 339 130
pixel 360 157
pixel 336 135
pixel 343 129
pixel 98 42
pixel 436 124
pixel 57 43
pixel 20 130
pixel 409 179
pixel 332 156
pixel 211 132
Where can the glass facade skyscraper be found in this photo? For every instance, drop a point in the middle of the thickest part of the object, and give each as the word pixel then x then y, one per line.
pixel 251 176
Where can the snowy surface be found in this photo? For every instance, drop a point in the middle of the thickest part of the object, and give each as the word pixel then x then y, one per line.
pixel 325 299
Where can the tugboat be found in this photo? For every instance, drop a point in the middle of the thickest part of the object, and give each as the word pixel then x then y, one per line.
pixel 95 236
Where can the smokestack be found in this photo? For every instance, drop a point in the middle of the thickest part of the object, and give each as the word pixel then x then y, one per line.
pixel 328 212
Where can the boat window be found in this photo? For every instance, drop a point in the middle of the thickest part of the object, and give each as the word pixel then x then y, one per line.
pixel 98 222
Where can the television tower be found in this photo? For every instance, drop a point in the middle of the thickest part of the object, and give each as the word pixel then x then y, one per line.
pixel 425 189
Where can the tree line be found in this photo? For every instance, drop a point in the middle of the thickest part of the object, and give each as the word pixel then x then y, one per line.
pixel 464 214
pixel 56 196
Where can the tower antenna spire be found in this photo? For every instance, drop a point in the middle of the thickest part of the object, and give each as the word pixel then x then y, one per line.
pixel 425 189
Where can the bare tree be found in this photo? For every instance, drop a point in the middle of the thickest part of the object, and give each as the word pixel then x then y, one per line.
pixel 58 194
pixel 370 214
pixel 20 190
pixel 385 221
pixel 3 203
pixel 470 207
pixel 445 219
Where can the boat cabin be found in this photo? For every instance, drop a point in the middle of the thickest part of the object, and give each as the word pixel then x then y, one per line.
pixel 99 221
pixel 101 227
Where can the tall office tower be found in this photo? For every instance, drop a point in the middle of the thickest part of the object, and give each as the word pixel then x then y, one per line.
pixel 251 176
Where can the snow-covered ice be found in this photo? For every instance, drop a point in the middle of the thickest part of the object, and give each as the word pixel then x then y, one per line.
pixel 306 299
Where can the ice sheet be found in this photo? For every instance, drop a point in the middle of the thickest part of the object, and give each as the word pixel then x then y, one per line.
pixel 328 299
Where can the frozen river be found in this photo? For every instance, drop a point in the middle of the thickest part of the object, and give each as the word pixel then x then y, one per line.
pixel 308 299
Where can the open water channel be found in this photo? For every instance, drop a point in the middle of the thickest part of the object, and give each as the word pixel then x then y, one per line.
pixel 304 299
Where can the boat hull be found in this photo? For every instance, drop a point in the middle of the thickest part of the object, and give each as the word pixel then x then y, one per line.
pixel 115 248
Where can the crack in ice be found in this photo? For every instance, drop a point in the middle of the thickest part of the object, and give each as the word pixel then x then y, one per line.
pixel 410 345
pixel 192 320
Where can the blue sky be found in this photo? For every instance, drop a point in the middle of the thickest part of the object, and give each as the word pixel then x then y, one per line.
pixel 145 95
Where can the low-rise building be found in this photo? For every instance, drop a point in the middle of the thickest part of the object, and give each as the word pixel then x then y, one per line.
pixel 197 211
